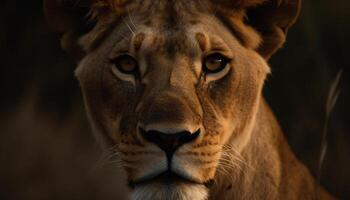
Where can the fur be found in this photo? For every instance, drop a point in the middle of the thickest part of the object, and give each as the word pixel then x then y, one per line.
pixel 240 146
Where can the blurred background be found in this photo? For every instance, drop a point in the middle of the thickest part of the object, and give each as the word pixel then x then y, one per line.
pixel 47 150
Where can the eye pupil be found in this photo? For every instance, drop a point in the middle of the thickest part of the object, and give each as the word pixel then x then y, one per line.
pixel 125 64
pixel 214 63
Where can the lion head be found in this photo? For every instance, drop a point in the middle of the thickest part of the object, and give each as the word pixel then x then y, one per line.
pixel 169 85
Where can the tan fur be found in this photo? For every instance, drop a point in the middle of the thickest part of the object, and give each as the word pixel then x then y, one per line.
pixel 241 146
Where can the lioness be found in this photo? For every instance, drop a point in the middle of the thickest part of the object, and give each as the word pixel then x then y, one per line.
pixel 174 88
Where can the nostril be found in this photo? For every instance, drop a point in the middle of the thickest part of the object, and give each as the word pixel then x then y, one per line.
pixel 169 142
pixel 187 137
pixel 152 136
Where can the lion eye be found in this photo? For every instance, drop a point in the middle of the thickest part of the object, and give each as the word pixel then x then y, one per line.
pixel 126 64
pixel 215 63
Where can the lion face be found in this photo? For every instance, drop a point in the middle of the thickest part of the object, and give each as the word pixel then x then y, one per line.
pixel 169 98
pixel 173 87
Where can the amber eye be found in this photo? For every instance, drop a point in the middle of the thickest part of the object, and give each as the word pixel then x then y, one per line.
pixel 126 64
pixel 215 63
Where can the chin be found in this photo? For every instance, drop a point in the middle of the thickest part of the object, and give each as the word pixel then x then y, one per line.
pixel 169 191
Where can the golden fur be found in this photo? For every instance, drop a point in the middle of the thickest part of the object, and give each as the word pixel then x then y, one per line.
pixel 241 146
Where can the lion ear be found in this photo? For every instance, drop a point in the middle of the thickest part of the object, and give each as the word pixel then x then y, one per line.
pixel 272 20
pixel 69 19
pixel 269 18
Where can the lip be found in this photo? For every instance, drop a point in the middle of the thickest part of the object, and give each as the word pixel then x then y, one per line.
pixel 168 178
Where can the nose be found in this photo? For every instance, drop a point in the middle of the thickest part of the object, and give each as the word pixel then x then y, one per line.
pixel 169 142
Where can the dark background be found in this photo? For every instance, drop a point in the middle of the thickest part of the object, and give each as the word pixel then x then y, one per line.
pixel 47 150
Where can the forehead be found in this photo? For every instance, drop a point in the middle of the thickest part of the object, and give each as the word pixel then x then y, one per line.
pixel 167 42
pixel 181 37
pixel 191 42
pixel 165 14
pixel 170 27
pixel 170 17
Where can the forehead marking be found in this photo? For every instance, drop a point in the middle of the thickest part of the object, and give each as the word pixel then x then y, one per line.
pixel 138 40
pixel 202 41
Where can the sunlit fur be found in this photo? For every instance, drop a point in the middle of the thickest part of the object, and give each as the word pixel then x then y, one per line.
pixel 241 146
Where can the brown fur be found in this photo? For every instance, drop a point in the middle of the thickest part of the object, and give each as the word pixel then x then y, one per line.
pixel 241 145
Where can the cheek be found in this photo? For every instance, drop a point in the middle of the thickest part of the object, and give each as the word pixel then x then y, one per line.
pixel 230 101
pixel 111 102
pixel 218 105
pixel 222 93
pixel 120 100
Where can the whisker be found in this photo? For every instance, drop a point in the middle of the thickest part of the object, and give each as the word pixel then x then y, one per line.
pixel 132 22
pixel 110 157
pixel 133 33
pixel 237 155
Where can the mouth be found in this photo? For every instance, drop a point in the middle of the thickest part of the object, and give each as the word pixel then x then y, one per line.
pixel 168 178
